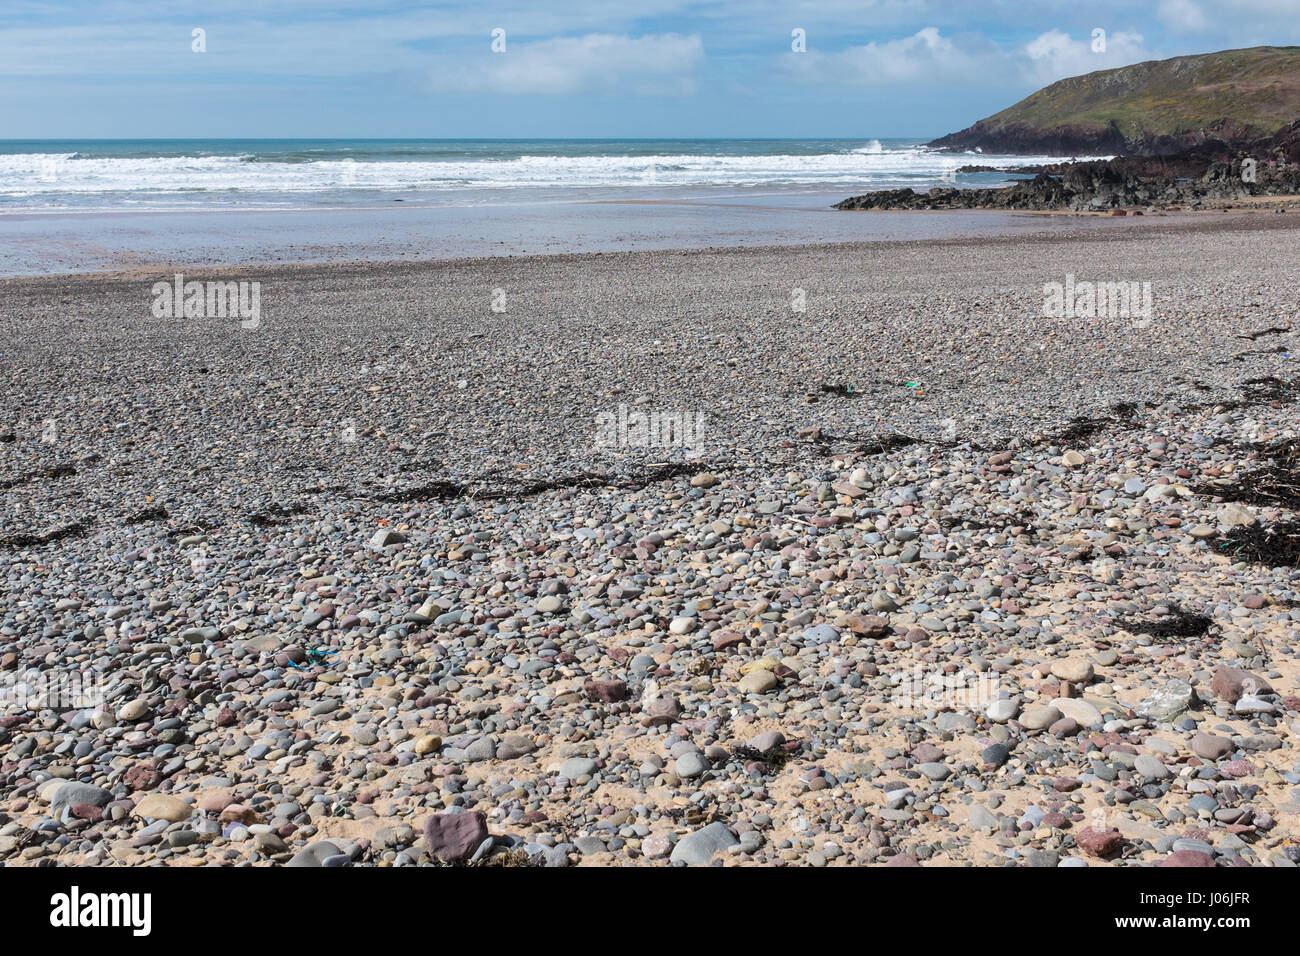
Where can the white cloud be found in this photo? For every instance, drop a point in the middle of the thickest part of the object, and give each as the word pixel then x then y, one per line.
pixel 1182 16
pixel 652 64
pixel 1055 55
pixel 930 59
pixel 927 57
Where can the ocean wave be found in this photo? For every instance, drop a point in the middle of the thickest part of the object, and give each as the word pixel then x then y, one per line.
pixel 871 165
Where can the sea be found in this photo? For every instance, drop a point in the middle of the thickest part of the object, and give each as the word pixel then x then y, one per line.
pixel 84 205
pixel 115 174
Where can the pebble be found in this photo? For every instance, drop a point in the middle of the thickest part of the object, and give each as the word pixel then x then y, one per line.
pixel 1000 711
pixel 133 710
pixel 456 641
pixel 1073 671
pixel 162 807
pixel 690 765
pixel 698 847
pixel 757 682
pixel 576 767
pixel 1039 717
pixel 1080 711
pixel 1211 746
pixel 1167 702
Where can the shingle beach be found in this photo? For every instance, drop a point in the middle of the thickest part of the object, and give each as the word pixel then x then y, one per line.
pixel 398 574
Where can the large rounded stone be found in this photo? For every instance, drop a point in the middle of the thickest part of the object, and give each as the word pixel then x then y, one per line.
pixel 1082 712
pixel 1150 767
pixel 550 604
pixel 690 765
pixel 452 837
pixel 696 849
pixel 1073 672
pixel 1099 842
pixel 1232 683
pixel 315 854
pixel 1039 717
pixel 133 710
pixel 71 793
pixel 757 682
pixel 160 806
pixel 1211 746
pixel 1000 711
pixel 1167 702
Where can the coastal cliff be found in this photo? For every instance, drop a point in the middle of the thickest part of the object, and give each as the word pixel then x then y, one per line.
pixel 1232 98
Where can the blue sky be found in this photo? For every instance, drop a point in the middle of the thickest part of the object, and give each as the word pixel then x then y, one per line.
pixel 595 68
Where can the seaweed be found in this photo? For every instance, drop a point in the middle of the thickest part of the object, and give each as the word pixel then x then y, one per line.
pixel 991 521
pixel 274 515
pixel 1083 426
pixel 693 815
pixel 1268 389
pixel 57 471
pixel 1079 428
pixel 432 491
pixel 1276 484
pixel 185 530
pixel 773 759
pixel 1274 547
pixel 512 857
pixel 1177 623
pixel 443 490
pixel 153 513
pixel 875 445
pixel 14 541
pixel 1271 330
pixel 890 442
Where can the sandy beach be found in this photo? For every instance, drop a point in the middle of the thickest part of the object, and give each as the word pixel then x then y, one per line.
pixel 810 555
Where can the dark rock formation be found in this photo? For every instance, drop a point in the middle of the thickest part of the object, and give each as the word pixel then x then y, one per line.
pixel 1014 138
pixel 1128 181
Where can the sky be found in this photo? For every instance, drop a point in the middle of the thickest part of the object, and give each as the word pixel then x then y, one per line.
pixel 574 68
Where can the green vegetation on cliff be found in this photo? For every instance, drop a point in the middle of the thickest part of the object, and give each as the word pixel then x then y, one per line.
pixel 1160 106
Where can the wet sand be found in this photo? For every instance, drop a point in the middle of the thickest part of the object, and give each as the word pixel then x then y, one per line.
pixel 62 242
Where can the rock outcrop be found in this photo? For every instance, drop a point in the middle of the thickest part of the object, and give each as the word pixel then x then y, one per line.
pixel 1108 185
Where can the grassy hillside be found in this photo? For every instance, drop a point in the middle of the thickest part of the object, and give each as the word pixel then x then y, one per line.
pixel 1156 106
